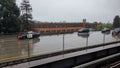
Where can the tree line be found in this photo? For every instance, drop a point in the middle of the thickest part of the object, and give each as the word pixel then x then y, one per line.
pixel 9 16
pixel 116 22
pixel 14 19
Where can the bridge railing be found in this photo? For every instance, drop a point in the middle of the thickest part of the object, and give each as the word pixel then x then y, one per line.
pixel 34 49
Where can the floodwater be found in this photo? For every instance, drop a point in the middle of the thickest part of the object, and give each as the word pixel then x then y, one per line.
pixel 11 48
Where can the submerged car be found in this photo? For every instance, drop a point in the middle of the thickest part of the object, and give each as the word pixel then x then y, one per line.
pixel 105 30
pixel 28 35
pixel 84 30
pixel 116 31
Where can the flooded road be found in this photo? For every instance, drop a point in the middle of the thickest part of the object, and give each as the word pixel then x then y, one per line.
pixel 11 48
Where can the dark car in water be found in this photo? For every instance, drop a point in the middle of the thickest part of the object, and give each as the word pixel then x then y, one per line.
pixel 84 30
pixel 28 35
pixel 116 31
pixel 105 30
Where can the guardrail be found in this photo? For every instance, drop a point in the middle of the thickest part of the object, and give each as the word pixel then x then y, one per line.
pixel 85 58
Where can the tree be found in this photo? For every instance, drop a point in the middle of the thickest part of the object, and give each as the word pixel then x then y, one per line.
pixel 26 15
pixel 116 22
pixel 9 14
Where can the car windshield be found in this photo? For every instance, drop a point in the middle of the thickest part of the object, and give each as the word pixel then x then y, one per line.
pixel 106 29
pixel 117 29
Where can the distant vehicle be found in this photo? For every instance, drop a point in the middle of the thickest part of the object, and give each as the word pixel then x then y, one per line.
pixel 105 30
pixel 28 35
pixel 84 30
pixel 116 31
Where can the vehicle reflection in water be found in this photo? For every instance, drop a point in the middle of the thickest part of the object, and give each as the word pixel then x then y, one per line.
pixel 84 35
pixel 11 47
pixel 29 42
pixel 106 33
pixel 29 45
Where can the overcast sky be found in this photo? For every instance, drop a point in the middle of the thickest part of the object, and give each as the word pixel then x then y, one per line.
pixel 74 10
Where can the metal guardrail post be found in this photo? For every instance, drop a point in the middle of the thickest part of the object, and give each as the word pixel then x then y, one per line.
pixel 63 43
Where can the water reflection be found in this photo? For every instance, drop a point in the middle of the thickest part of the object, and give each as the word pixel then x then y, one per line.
pixel 106 33
pixel 29 42
pixel 11 47
pixel 84 35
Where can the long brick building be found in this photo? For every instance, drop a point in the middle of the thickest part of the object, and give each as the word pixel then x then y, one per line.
pixel 45 27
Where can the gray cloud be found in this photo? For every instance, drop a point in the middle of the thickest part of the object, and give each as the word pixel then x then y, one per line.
pixel 75 10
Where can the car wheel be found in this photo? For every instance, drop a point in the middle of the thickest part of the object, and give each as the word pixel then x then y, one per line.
pixel 113 33
pixel 118 34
